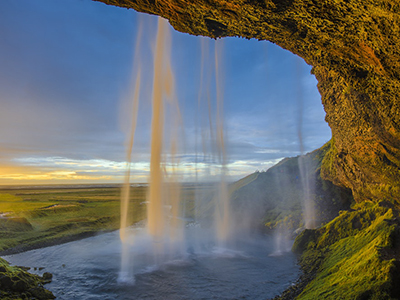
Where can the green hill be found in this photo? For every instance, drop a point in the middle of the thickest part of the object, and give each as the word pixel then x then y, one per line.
pixel 275 197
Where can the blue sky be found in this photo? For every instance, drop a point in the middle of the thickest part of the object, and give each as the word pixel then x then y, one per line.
pixel 65 83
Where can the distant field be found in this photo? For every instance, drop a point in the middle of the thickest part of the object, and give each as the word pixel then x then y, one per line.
pixel 41 216
pixel 37 217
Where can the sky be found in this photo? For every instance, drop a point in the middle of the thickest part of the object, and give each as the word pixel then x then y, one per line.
pixel 67 72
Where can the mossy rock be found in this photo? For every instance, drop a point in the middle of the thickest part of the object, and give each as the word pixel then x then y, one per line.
pixel 303 240
pixel 355 256
pixel 16 283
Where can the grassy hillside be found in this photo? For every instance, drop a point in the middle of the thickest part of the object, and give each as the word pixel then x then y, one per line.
pixel 355 256
pixel 275 197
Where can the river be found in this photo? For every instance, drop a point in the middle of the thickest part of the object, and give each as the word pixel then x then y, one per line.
pixel 89 269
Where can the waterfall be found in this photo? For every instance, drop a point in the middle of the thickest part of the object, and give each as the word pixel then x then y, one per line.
pixel 165 226
pixel 304 164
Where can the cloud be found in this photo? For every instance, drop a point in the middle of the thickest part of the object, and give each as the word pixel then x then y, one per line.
pixel 65 75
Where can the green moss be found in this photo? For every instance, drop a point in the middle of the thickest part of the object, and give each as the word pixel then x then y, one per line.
pixel 303 240
pixel 327 164
pixel 16 283
pixel 346 255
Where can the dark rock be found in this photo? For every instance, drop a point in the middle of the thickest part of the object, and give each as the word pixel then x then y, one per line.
pixel 20 285
pixel 5 282
pixel 17 283
pixel 47 277
pixel 24 268
pixel 41 293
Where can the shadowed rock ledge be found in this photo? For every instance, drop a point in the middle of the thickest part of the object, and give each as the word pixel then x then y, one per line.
pixel 353 48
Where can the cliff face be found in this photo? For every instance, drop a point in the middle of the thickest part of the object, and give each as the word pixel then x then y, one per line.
pixel 353 47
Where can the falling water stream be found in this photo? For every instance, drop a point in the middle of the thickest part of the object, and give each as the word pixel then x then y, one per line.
pixel 304 164
pixel 172 256
pixel 164 209
pixel 167 237
pixel 125 194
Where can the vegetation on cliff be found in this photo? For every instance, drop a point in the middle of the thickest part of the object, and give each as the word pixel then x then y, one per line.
pixel 355 256
pixel 355 252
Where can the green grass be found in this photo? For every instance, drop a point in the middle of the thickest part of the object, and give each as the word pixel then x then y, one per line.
pixel 57 214
pixel 40 217
pixel 353 255
pixel 11 203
